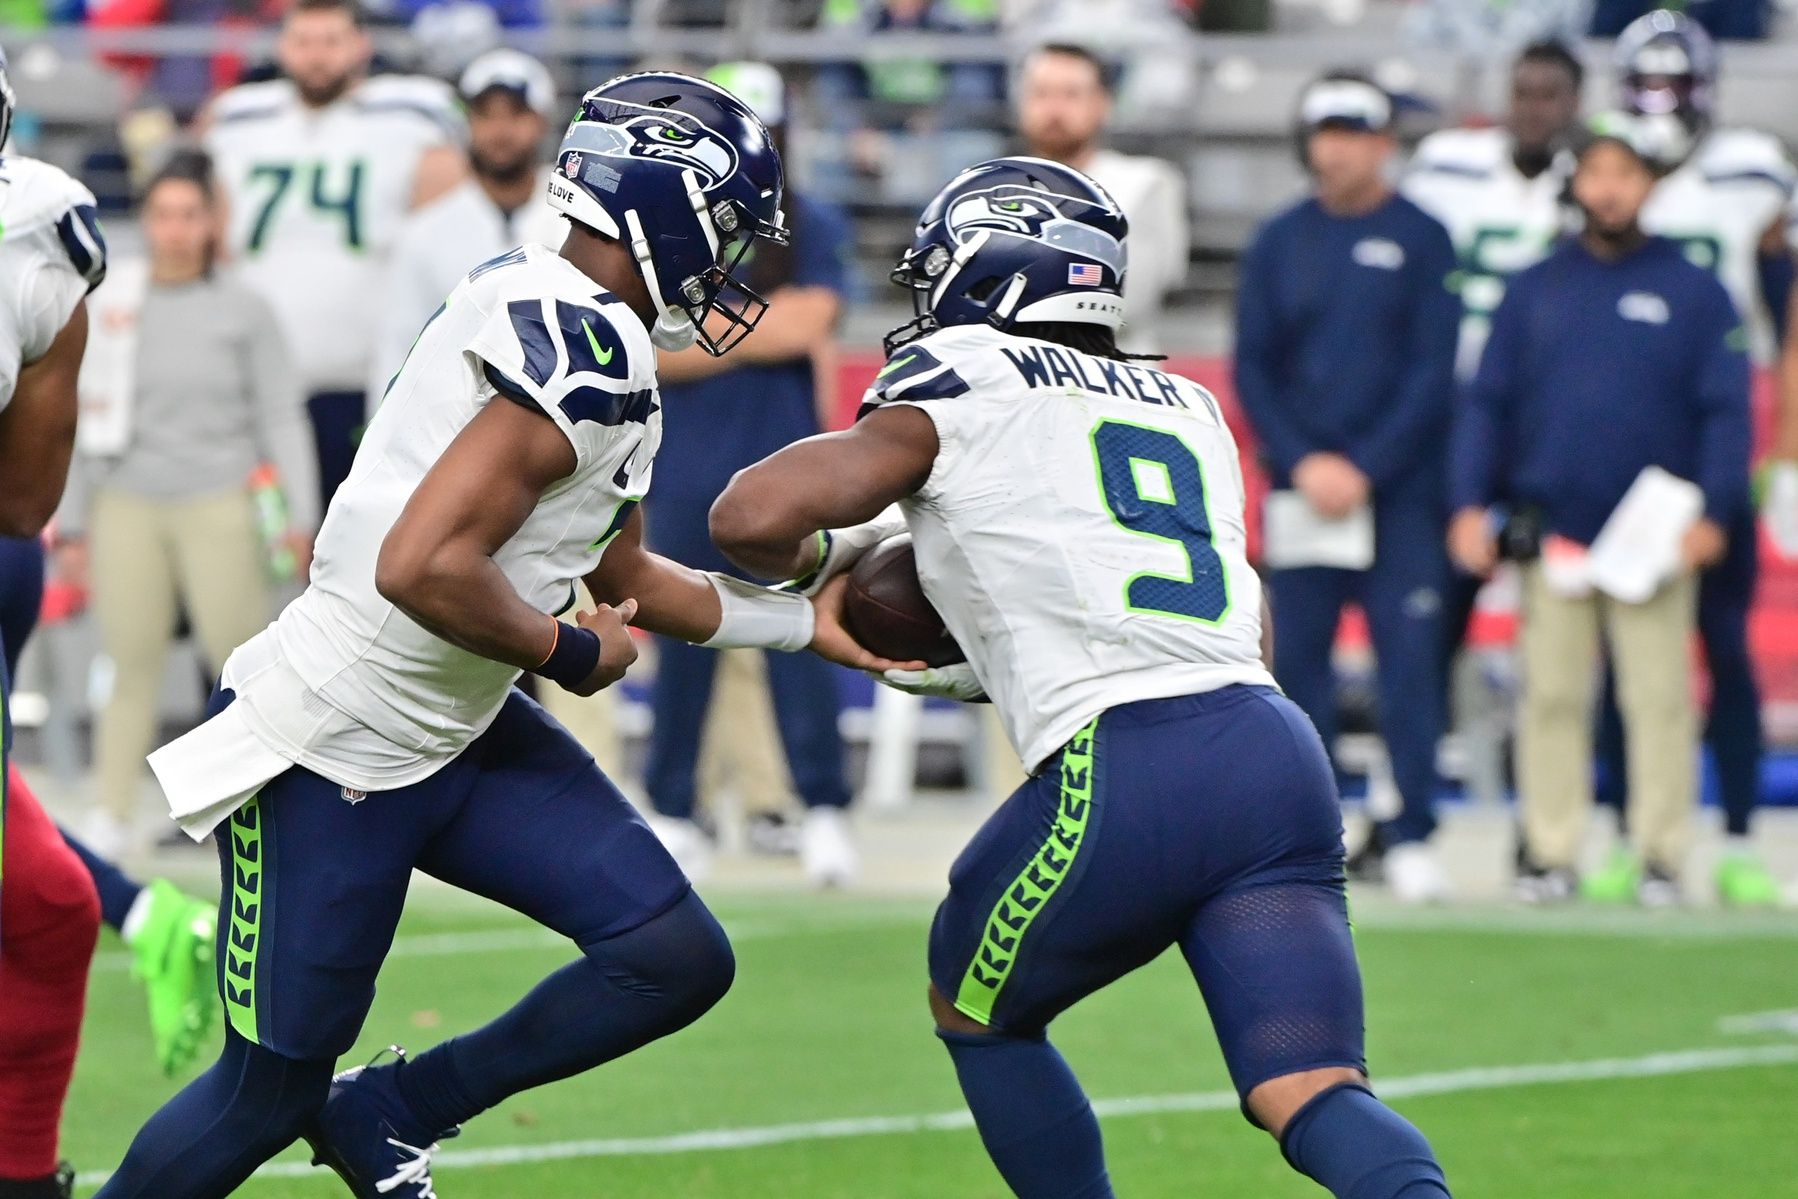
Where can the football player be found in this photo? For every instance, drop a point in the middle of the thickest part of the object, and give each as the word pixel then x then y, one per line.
pixel 318 169
pixel 51 256
pixel 1498 191
pixel 1725 201
pixel 1078 522
pixel 374 728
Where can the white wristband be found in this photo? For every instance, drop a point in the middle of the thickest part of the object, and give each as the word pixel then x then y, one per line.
pixel 757 618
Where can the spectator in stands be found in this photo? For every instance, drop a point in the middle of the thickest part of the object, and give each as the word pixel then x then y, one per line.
pixel 187 389
pixel 1063 101
pixel 1613 355
pixel 720 415
pixel 874 98
pixel 1345 346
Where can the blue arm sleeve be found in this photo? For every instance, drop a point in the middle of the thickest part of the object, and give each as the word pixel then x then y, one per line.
pixel 1726 432
pixel 1423 405
pixel 1483 409
pixel 1259 350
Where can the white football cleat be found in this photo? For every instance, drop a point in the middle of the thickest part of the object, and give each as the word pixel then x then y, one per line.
pixel 686 843
pixel 1414 874
pixel 826 849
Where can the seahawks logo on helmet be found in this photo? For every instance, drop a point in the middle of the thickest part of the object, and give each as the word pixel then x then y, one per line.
pixel 664 135
pixel 1019 211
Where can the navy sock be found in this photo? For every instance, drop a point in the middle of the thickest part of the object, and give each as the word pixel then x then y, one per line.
pixel 1032 1115
pixel 1359 1148
pixel 209 1138
pixel 117 892
pixel 626 992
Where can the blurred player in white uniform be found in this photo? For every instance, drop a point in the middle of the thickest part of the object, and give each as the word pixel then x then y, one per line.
pixel 1498 191
pixel 1726 202
pixel 318 170
pixel 510 101
pixel 51 256
pixel 1077 519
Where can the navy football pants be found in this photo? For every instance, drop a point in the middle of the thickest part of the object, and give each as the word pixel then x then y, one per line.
pixel 1403 595
pixel 315 876
pixel 1207 821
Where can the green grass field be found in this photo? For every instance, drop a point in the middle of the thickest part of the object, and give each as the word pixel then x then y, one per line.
pixel 1543 1058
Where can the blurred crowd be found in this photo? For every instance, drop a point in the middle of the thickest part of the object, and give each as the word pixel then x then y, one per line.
pixel 1471 356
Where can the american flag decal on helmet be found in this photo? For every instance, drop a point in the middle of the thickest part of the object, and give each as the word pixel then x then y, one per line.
pixel 1086 274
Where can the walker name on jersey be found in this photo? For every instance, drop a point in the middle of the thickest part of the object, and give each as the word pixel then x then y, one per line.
pixel 1049 366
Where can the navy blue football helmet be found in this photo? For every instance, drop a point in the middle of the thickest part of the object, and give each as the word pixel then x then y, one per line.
pixel 684 174
pixel 1667 74
pixel 7 100
pixel 1015 240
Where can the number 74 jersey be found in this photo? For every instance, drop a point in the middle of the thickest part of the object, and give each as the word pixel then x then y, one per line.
pixel 315 198
pixel 1081 532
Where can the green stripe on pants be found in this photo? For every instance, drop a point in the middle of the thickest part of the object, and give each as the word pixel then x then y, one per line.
pixel 248 871
pixel 1031 891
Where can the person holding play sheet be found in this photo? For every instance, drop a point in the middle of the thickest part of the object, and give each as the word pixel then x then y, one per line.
pixel 1612 356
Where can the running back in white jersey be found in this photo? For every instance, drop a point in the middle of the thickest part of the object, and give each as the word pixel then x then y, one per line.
pixel 1720 203
pixel 51 255
pixel 525 327
pixel 1499 220
pixel 315 199
pixel 1081 532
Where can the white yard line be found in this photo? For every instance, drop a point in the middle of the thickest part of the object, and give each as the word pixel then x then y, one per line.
pixel 1481 1078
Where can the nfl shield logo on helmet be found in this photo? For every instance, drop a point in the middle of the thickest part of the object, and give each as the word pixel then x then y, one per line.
pixel 571 166
pixel 1086 274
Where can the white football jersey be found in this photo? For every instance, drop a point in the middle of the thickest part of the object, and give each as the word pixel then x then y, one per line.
pixel 343 682
pixel 1081 532
pixel 1720 203
pixel 434 248
pixel 315 198
pixel 1500 221
pixel 51 255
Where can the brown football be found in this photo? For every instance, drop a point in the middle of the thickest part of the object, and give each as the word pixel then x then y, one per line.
pixel 884 608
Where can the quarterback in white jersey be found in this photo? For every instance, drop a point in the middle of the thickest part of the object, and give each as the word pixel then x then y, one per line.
pixel 1499 191
pixel 374 728
pixel 1077 522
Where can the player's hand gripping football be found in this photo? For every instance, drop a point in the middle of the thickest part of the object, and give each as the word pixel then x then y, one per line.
pixel 832 641
pixel 617 648
pixel 955 681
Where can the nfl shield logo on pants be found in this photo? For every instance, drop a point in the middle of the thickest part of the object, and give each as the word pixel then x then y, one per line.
pixel 353 796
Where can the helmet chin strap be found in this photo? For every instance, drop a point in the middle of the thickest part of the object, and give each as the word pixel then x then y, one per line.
pixel 672 330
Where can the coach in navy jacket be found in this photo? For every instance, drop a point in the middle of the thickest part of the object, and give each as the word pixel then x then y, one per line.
pixel 1611 355
pixel 1345 349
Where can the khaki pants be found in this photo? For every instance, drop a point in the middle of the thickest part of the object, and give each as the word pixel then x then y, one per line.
pixel 1650 654
pixel 741 749
pixel 147 555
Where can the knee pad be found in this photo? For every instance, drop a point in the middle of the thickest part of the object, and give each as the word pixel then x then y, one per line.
pixel 266 1090
pixel 681 958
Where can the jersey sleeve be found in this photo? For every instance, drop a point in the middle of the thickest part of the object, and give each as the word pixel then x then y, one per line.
pixel 572 363
pixel 916 371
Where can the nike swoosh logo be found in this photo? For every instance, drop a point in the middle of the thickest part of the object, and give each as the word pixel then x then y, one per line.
pixel 604 356
pixel 895 364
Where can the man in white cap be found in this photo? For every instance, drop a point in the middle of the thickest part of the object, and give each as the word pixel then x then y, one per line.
pixel 510 100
